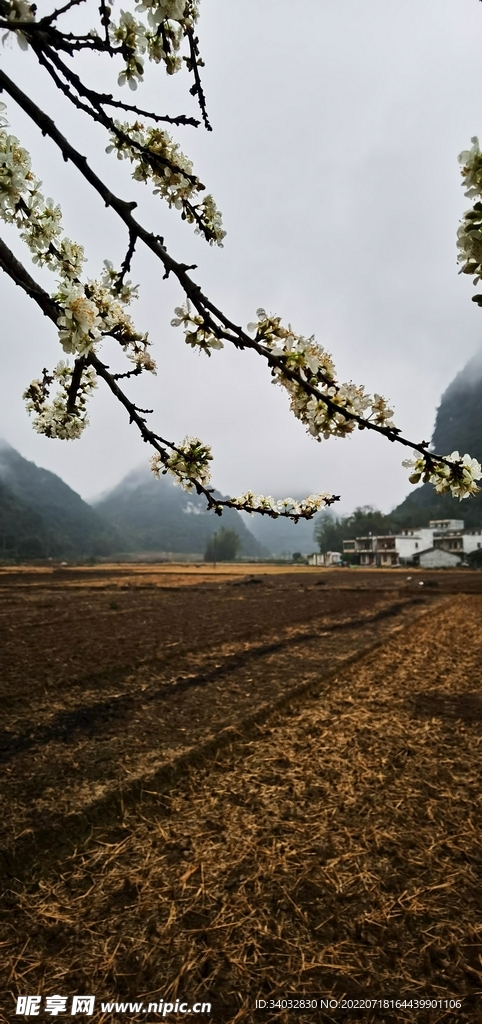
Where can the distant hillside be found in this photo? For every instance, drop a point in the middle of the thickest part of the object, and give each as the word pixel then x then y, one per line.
pixel 282 536
pixel 156 515
pixel 458 427
pixel 41 517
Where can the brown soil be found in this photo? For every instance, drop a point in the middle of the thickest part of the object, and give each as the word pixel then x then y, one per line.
pixel 260 785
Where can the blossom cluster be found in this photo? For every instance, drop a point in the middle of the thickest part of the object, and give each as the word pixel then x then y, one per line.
pixel 158 159
pixel 159 38
pixel 87 310
pixel 469 234
pixel 457 473
pixel 53 418
pixel 196 333
pixel 188 463
pixel 20 11
pixel 315 366
pixel 285 506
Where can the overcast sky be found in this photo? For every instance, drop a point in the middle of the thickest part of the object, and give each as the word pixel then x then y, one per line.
pixel 334 162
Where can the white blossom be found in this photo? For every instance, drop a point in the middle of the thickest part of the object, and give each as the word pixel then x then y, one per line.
pixel 469 243
pixel 162 10
pixel 135 38
pixel 211 222
pixel 459 476
pixel 40 230
pixel 80 321
pixel 469 234
pixel 306 508
pixel 20 10
pixel 471 161
pixel 87 310
pixel 188 463
pixel 53 418
pixel 130 34
pixel 196 333
pixel 16 178
pixel 71 259
pixel 161 162
pixel 315 367
pixel 110 279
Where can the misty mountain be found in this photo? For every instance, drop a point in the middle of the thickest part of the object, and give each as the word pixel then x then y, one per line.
pixel 156 515
pixel 41 517
pixel 282 536
pixel 458 427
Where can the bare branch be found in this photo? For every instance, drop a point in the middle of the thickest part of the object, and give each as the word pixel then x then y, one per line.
pixel 48 19
pixel 79 365
pixel 126 263
pixel 197 89
pixel 213 317
pixel 17 273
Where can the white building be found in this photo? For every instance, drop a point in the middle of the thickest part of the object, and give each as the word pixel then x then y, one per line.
pixel 331 558
pixel 461 542
pixel 472 540
pixel 315 559
pixel 410 542
pixel 407 546
pixel 437 558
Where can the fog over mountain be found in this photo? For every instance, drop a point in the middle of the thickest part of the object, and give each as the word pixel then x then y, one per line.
pixel 282 536
pixel 41 517
pixel 157 516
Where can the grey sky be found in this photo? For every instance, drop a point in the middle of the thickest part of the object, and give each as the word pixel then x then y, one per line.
pixel 334 161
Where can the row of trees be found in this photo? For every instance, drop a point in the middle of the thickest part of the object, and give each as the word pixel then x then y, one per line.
pixel 331 531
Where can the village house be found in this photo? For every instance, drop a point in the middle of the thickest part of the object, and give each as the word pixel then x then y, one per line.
pixel 412 546
pixel 329 559
pixel 437 558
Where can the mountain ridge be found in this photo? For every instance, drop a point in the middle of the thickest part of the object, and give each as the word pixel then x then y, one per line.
pixel 42 517
pixel 156 515
pixel 458 427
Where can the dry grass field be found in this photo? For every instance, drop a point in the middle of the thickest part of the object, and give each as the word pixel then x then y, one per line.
pixel 242 783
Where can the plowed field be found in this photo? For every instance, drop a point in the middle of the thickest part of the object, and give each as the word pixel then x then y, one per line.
pixel 224 787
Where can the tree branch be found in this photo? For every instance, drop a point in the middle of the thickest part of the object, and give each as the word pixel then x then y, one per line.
pixel 60 10
pixel 16 271
pixel 210 313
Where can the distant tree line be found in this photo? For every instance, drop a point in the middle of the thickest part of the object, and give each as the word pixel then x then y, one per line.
pixel 330 532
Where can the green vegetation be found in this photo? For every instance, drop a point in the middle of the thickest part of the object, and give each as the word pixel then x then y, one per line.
pixel 41 517
pixel 155 515
pixel 330 532
pixel 222 546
